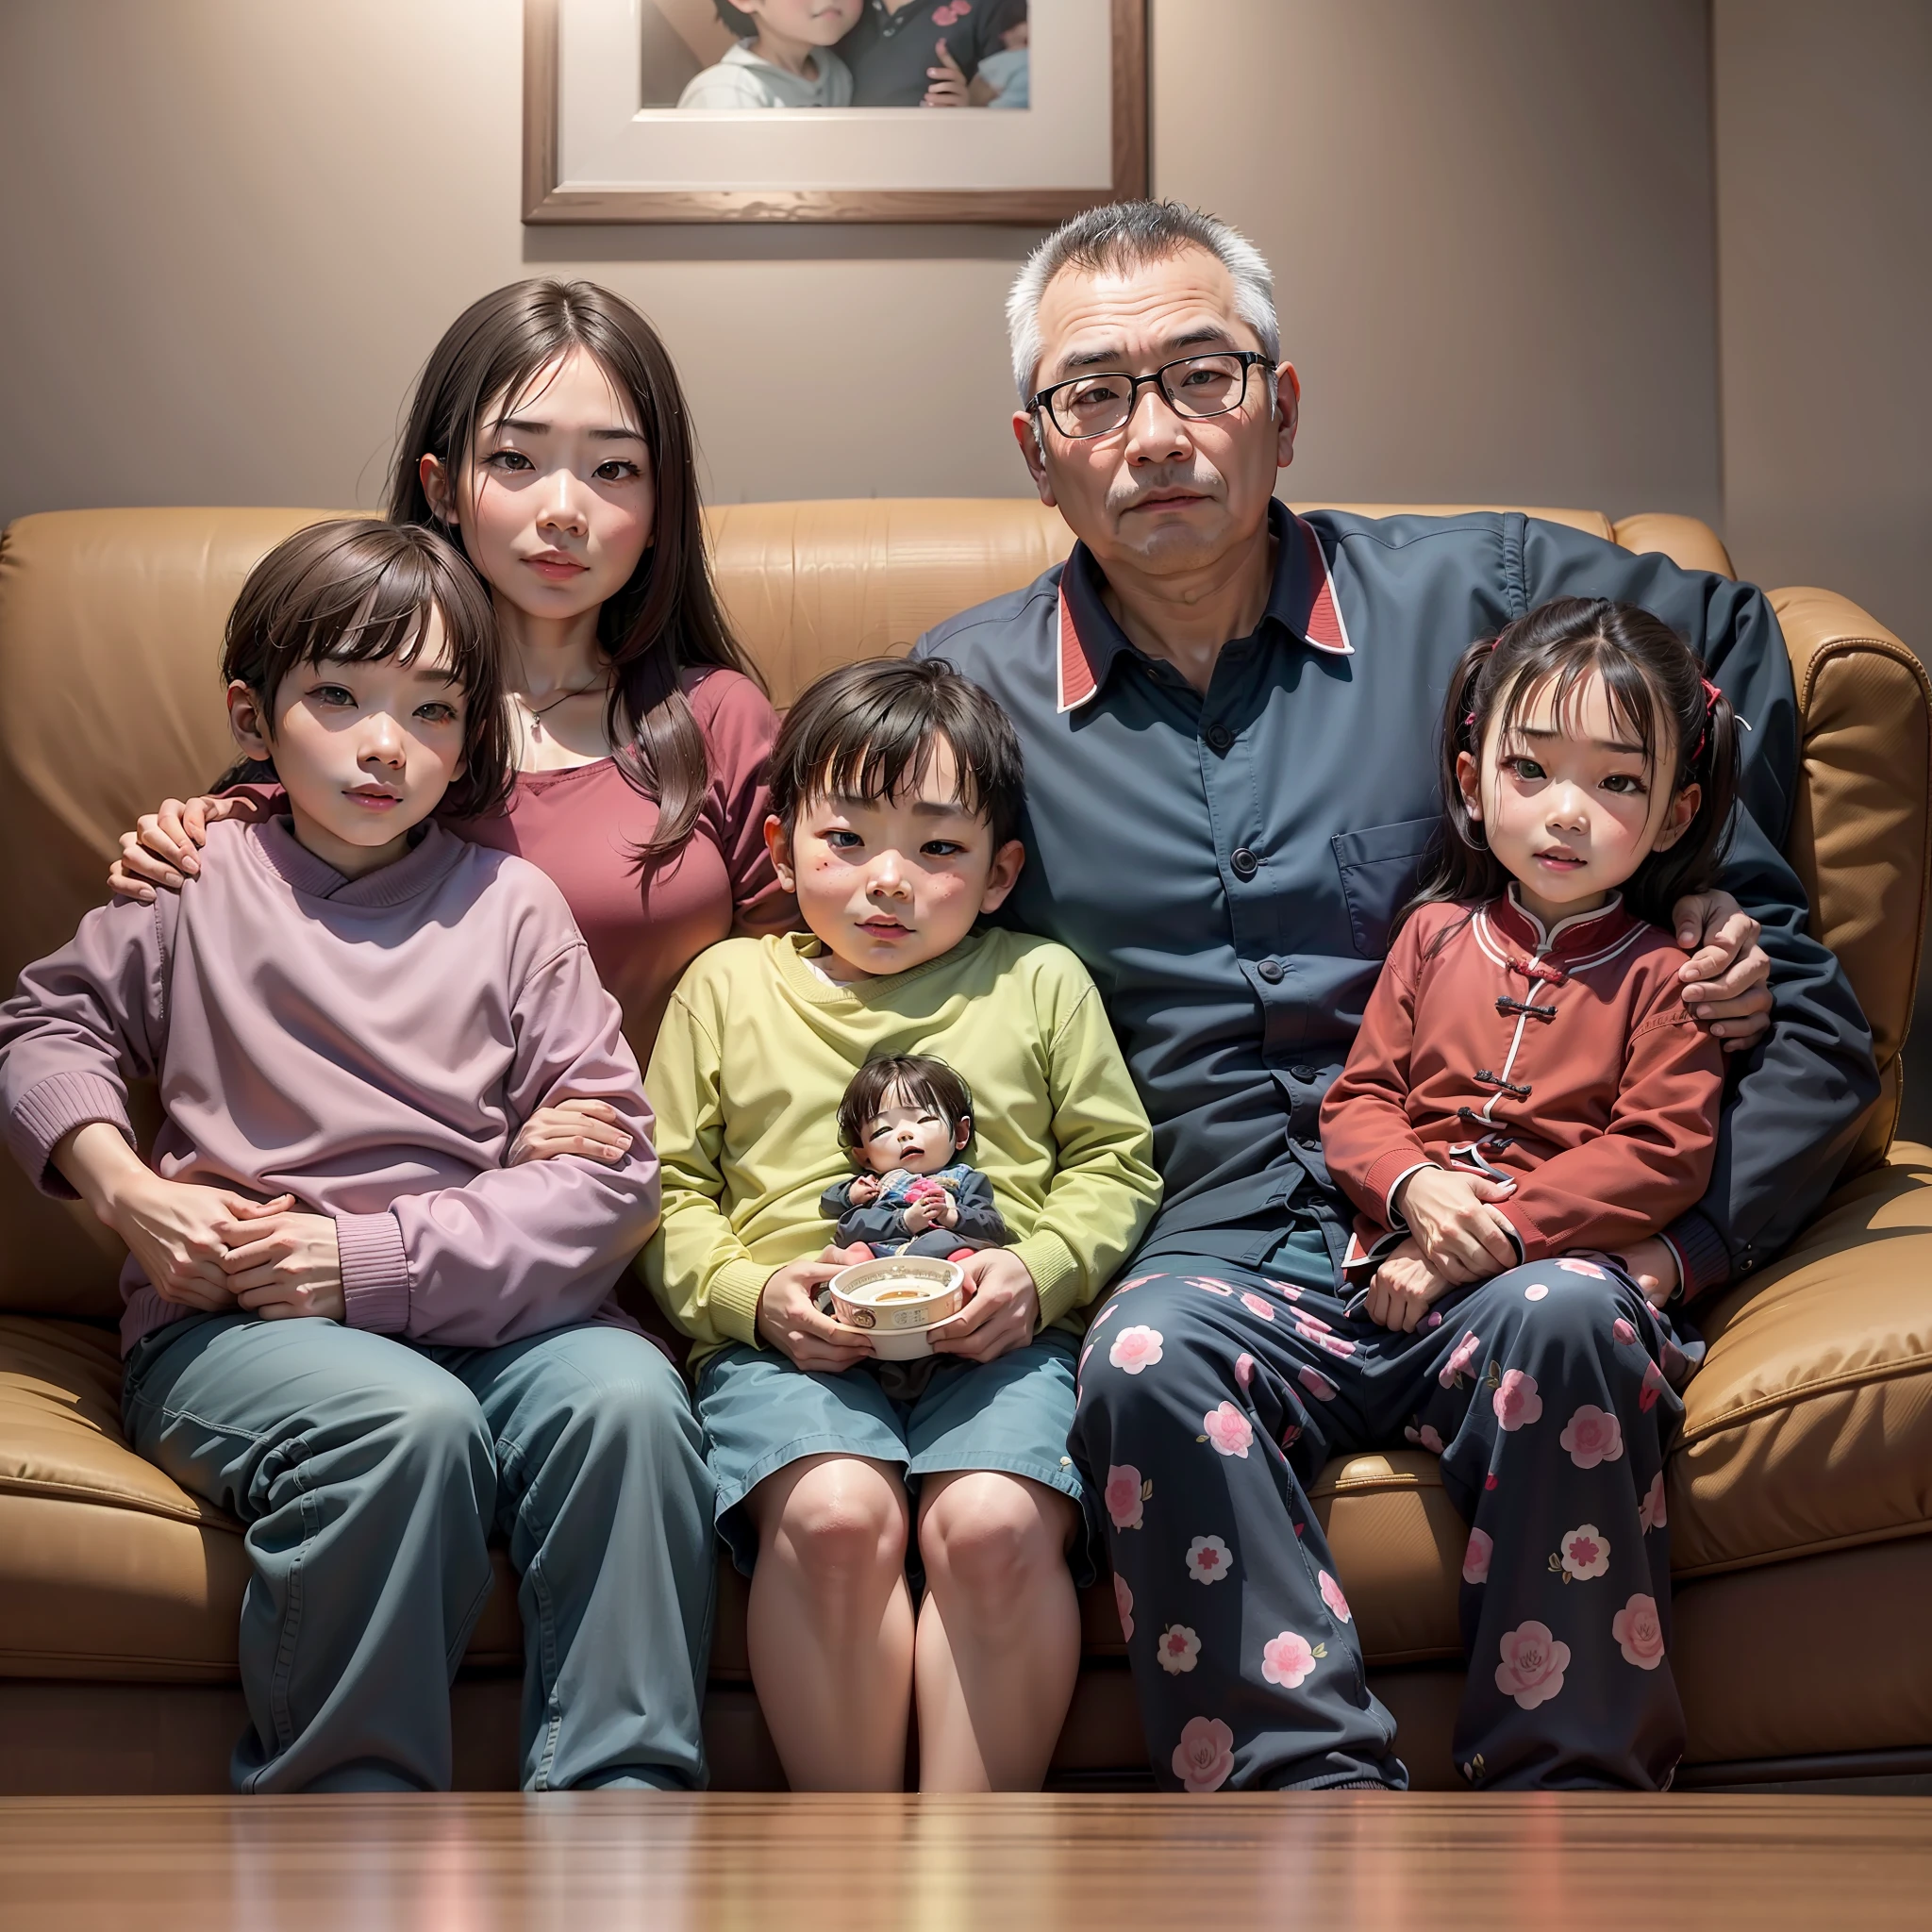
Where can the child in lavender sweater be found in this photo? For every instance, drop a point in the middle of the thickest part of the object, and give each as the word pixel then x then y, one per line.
pixel 350 1321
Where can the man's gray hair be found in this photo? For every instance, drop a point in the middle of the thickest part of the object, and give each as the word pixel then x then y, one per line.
pixel 1129 234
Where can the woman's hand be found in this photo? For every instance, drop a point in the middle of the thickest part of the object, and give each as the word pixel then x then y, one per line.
pixel 1403 1288
pixel 1726 980
pixel 1003 1313
pixel 948 89
pixel 793 1324
pixel 1462 1237
pixel 285 1264
pixel 589 1127
pixel 160 851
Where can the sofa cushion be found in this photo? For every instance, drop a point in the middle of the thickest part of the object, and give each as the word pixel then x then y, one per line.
pixel 1809 1426
pixel 108 1569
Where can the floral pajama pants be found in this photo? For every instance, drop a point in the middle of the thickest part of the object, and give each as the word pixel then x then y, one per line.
pixel 1212 1394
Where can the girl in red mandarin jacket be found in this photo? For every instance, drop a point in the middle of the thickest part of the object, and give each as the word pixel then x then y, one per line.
pixel 1528 1097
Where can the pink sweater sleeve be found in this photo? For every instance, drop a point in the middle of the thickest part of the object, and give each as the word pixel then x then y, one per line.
pixel 519 1249
pixel 83 1022
pixel 739 725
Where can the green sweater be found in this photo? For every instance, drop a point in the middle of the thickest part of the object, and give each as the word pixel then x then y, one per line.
pixel 755 1053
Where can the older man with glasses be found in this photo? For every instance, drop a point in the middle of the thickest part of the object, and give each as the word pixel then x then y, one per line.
pixel 1228 713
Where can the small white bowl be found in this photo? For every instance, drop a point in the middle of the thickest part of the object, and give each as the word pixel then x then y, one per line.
pixel 898 1300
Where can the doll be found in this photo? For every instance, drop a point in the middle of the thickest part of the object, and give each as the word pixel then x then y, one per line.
pixel 903 1120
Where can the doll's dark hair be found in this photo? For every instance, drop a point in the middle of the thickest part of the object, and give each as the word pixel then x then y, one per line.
pixel 743 25
pixel 924 1081
pixel 868 731
pixel 355 592
pixel 667 619
pixel 1658 692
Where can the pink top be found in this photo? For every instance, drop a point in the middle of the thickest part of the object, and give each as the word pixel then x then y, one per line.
pixel 368 1045
pixel 582 824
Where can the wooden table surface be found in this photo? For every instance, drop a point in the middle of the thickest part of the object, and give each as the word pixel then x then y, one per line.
pixel 621 1860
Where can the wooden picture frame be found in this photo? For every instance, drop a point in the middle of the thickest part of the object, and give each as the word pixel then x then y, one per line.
pixel 547 201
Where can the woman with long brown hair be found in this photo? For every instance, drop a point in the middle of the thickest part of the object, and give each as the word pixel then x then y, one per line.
pixel 549 437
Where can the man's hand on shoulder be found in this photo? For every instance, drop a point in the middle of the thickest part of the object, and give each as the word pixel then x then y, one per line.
pixel 1726 979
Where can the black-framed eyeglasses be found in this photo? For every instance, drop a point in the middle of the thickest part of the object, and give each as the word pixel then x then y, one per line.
pixel 1102 401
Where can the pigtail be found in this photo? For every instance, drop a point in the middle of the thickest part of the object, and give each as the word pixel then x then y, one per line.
pixel 1710 734
pixel 1458 865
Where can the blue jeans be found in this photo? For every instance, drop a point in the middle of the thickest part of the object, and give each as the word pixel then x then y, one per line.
pixel 370 1474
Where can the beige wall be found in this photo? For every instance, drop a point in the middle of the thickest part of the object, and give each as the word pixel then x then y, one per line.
pixel 1824 234
pixel 232 229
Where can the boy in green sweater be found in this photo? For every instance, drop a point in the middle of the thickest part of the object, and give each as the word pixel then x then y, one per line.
pixel 896 793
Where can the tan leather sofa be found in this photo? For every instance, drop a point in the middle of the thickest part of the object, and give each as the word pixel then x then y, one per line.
pixel 1800 1496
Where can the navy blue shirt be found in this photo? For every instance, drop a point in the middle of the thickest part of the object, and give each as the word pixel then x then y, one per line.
pixel 1228 864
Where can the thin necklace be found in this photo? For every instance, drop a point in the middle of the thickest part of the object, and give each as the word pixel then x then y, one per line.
pixel 536 713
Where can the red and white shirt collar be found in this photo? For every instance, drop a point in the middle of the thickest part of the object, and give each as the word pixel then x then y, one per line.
pixel 1505 928
pixel 1315 614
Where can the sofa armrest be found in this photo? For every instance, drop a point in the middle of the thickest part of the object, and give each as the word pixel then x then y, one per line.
pixel 1862 825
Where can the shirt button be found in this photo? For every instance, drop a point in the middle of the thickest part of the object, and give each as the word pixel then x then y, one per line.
pixel 1219 737
pixel 1244 863
pixel 1305 1075
pixel 1271 971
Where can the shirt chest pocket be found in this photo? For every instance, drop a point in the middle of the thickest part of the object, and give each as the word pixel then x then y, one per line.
pixel 1378 870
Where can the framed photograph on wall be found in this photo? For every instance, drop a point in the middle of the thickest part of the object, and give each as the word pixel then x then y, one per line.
pixel 832 110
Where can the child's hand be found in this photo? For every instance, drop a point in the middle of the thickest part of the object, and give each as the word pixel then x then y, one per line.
pixel 1403 1288
pixel 160 851
pixel 864 1190
pixel 284 1265
pixel 936 1209
pixel 792 1323
pixel 1003 1313
pixel 948 89
pixel 590 1127
pixel 1462 1237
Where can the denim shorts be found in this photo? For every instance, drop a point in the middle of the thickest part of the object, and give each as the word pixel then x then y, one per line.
pixel 761 1413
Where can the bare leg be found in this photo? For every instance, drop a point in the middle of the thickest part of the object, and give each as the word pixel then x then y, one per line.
pixel 830 1624
pixel 999 1636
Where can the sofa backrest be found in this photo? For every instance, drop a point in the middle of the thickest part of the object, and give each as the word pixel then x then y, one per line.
pixel 110 621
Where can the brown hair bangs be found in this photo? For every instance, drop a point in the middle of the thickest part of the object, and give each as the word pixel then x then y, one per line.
pixel 923 1081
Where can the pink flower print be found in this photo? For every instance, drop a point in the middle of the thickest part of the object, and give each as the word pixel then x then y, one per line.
pixel 1209 1285
pixel 1123 1603
pixel 1489 1480
pixel 1592 1435
pixel 1256 1306
pixel 1623 1330
pixel 1460 1357
pixel 1317 1384
pixel 1536 1290
pixel 1229 1430
pixel 1311 1325
pixel 1589 1268
pixel 1209 1560
pixel 1334 1345
pixel 1428 1437
pixel 1516 1402
pixel 1177 1649
pixel 1204 1759
pixel 1287 1290
pixel 1123 1495
pixel 1649 1512
pixel 1434 1319
pixel 1292 1435
pixel 1107 1314
pixel 1653 1385
pixel 1475 1559
pixel 1080 1366
pixel 1585 1553
pixel 1638 1632
pixel 1287 1659
pixel 1135 1349
pixel 1244 1369
pixel 1332 1596
pixel 1533 1665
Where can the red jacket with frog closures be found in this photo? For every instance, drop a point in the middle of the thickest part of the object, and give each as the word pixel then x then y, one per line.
pixel 1563 1059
